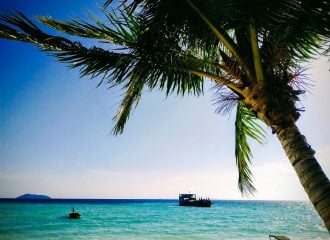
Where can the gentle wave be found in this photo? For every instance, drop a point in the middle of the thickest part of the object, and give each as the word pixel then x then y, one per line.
pixel 158 219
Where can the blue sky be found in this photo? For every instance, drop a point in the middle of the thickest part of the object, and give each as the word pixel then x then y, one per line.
pixel 55 133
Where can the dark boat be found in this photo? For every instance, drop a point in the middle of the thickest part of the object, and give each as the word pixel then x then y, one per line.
pixel 74 214
pixel 189 199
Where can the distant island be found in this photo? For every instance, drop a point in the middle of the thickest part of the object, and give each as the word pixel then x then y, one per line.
pixel 29 196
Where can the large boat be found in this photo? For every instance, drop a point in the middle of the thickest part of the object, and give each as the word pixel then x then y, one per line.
pixel 188 199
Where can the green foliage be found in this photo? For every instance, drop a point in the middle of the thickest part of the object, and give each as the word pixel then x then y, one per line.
pixel 16 26
pixel 122 29
pixel 132 95
pixel 246 126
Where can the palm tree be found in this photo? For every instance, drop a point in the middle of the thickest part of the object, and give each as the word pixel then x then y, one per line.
pixel 251 50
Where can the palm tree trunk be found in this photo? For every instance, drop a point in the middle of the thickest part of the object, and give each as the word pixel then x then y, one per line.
pixel 310 173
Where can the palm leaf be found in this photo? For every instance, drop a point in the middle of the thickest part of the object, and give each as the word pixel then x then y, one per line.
pixel 16 26
pixel 133 92
pixel 245 126
pixel 115 67
pixel 124 29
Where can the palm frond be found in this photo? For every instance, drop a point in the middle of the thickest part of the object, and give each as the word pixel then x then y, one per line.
pixel 159 62
pixel 16 26
pixel 123 31
pixel 94 62
pixel 91 61
pixel 304 29
pixel 133 92
pixel 77 27
pixel 166 69
pixel 130 7
pixel 245 126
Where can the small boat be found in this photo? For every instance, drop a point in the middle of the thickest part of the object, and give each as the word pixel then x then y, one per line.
pixel 74 214
pixel 188 199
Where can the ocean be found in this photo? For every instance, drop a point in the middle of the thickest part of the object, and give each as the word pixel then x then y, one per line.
pixel 158 219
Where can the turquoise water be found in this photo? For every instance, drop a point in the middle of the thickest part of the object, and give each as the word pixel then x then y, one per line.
pixel 159 219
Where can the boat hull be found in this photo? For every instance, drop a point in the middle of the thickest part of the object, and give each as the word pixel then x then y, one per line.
pixel 197 203
pixel 74 215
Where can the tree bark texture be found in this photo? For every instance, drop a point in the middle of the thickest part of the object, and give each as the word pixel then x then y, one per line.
pixel 310 173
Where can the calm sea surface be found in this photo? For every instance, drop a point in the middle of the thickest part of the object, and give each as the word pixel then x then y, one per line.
pixel 158 219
